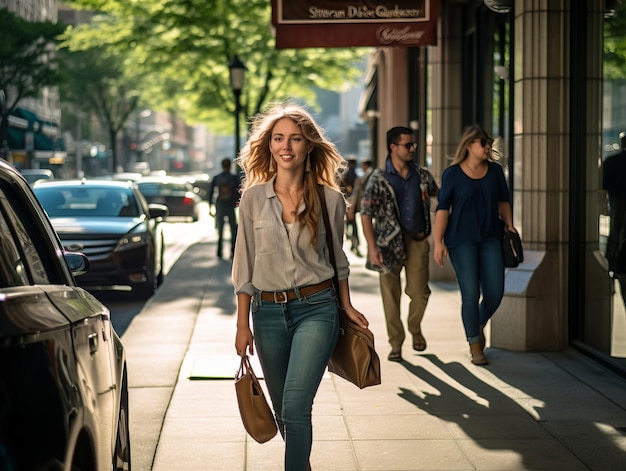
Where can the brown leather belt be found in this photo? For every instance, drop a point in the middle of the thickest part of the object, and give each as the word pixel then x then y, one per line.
pixel 290 294
pixel 417 235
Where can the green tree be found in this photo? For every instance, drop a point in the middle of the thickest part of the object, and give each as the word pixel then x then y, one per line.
pixel 182 49
pixel 95 80
pixel 28 63
pixel 615 44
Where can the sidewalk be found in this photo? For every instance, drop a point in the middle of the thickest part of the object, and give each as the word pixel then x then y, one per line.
pixel 434 411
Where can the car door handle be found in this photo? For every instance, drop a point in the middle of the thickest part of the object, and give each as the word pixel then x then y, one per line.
pixel 93 343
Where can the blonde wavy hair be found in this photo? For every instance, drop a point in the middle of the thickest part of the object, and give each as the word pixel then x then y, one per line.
pixel 471 133
pixel 326 164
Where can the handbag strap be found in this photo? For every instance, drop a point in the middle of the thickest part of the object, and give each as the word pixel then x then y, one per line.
pixel 329 236
pixel 244 368
pixel 331 253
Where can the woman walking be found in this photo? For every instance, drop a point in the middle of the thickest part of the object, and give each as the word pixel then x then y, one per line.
pixel 473 205
pixel 281 270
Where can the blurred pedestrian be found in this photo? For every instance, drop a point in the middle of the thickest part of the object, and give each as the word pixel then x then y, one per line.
pixel 350 182
pixel 473 205
pixel 281 271
pixel 395 213
pixel 614 184
pixel 355 207
pixel 227 185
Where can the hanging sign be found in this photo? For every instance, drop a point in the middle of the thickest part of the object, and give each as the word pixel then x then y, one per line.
pixel 333 23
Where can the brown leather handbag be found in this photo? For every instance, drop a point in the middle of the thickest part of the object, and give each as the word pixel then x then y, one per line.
pixel 256 415
pixel 354 358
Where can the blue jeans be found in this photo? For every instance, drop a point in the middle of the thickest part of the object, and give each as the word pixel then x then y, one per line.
pixel 294 341
pixel 479 269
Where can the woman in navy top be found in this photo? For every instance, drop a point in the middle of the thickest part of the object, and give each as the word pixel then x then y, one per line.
pixel 473 204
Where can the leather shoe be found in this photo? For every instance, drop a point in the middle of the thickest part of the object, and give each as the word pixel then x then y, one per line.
pixel 394 356
pixel 419 342
pixel 477 356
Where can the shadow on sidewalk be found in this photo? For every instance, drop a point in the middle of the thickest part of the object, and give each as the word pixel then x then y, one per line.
pixel 220 293
pixel 496 422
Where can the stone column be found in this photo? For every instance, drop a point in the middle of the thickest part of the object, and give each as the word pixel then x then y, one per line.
pixel 534 312
pixel 446 105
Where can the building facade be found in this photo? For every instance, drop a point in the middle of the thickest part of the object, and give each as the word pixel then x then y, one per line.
pixel 533 75
pixel 34 133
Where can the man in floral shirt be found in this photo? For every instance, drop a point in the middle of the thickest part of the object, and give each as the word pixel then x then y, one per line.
pixel 395 213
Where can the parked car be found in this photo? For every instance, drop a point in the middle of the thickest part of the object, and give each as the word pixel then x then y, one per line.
pixel 113 225
pixel 63 379
pixel 35 174
pixel 201 183
pixel 176 193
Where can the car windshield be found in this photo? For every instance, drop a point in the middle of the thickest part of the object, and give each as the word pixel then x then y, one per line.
pixel 163 189
pixel 88 202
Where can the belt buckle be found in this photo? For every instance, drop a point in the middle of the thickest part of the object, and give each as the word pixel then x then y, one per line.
pixel 280 297
pixel 418 235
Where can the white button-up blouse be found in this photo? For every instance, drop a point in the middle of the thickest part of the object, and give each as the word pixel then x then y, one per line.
pixel 268 257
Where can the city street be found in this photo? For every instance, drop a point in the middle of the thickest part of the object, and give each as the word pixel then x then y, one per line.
pixel 433 411
pixel 178 236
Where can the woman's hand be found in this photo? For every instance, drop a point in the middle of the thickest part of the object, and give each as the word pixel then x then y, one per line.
pixel 244 340
pixel 357 317
pixel 439 253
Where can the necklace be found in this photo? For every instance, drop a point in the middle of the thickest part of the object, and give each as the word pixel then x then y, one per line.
pixel 285 192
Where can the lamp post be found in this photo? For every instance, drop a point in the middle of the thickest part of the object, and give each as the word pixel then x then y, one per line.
pixel 237 71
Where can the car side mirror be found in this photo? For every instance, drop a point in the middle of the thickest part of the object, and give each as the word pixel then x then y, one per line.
pixel 158 211
pixel 78 262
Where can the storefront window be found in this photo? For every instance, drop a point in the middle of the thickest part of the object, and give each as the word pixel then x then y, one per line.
pixel 612 223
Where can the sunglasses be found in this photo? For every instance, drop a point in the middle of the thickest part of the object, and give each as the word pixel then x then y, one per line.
pixel 484 141
pixel 408 145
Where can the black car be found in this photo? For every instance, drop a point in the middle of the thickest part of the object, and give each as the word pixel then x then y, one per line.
pixel 112 224
pixel 63 380
pixel 176 193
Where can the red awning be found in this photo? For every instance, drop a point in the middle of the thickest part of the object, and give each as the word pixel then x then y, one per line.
pixel 332 23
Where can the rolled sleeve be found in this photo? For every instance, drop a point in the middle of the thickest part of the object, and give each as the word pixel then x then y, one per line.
pixel 336 214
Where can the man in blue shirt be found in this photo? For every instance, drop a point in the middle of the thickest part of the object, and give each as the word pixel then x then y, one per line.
pixel 395 213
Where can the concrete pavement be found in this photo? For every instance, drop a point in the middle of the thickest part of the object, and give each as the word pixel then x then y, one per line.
pixel 433 411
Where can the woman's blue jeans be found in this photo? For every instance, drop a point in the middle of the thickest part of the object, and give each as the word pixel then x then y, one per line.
pixel 479 269
pixel 294 341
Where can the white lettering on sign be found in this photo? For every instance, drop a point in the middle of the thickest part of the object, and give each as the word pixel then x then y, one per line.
pixel 317 13
pixel 364 12
pixel 390 35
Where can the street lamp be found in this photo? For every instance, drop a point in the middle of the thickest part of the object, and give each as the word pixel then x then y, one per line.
pixel 237 71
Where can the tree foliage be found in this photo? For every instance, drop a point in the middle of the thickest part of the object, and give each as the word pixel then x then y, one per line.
pixel 96 80
pixel 27 58
pixel 27 61
pixel 182 49
pixel 615 44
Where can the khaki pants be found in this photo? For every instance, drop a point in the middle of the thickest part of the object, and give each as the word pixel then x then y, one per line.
pixel 416 273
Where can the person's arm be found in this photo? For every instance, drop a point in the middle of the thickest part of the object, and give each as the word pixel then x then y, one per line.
pixel 441 223
pixel 346 303
pixel 244 338
pixel 506 214
pixel 375 255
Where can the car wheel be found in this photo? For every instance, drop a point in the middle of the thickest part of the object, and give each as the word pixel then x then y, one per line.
pixel 121 459
pixel 146 290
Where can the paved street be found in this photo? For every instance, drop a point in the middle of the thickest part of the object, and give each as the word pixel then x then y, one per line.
pixel 434 411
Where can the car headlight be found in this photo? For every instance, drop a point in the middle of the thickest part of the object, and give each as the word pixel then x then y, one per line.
pixel 133 240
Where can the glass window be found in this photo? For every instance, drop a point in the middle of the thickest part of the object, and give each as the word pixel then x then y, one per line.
pixel 19 254
pixel 612 219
